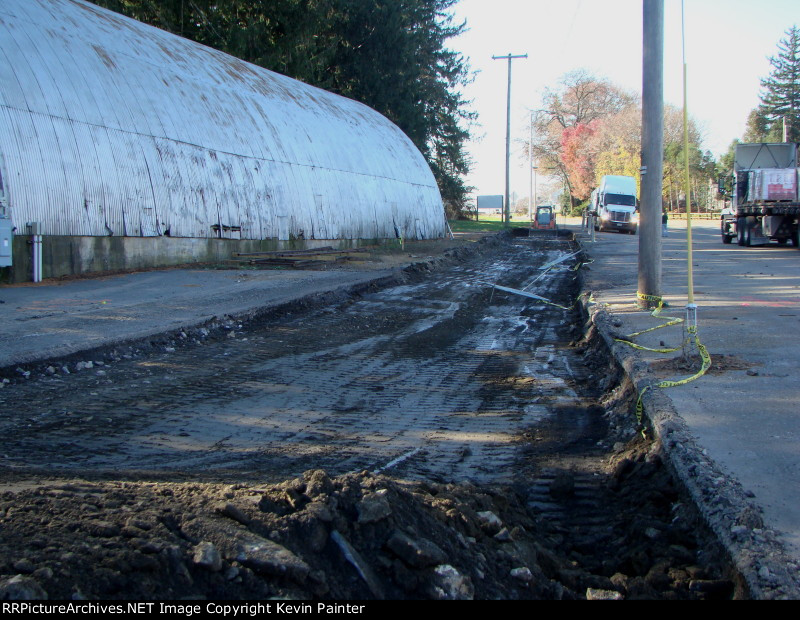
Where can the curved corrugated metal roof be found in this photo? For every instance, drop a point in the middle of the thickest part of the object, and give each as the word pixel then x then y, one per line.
pixel 110 126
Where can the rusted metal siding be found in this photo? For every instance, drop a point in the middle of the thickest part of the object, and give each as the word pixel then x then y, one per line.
pixel 112 127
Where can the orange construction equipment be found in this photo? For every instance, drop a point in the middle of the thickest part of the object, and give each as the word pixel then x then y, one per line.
pixel 545 218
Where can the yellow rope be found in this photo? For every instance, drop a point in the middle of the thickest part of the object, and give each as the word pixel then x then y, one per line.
pixel 693 336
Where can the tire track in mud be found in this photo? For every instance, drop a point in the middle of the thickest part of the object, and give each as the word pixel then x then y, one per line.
pixel 437 379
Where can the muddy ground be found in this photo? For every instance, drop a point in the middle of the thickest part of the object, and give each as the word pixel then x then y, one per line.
pixel 553 495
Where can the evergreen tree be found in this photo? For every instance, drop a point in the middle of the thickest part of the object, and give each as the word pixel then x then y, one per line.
pixel 780 98
pixel 757 128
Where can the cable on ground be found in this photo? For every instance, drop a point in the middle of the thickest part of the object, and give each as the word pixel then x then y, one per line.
pixel 692 338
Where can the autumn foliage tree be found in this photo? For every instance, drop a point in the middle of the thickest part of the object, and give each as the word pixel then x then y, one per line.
pixel 576 108
pixel 589 128
pixel 578 158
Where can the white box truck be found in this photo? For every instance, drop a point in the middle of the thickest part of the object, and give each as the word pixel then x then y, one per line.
pixel 764 195
pixel 614 204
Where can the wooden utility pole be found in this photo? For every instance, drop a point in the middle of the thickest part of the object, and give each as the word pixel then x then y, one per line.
pixel 652 154
pixel 506 206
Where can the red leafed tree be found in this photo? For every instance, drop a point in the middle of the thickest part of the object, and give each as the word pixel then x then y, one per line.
pixel 578 157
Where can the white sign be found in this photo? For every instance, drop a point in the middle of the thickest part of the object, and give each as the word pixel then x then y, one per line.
pixel 490 202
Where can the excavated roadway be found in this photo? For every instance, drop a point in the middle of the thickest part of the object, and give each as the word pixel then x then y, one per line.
pixel 438 376
pixel 245 375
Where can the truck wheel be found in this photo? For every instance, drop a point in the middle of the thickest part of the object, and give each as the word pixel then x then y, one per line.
pixel 795 237
pixel 747 238
pixel 740 226
pixel 725 230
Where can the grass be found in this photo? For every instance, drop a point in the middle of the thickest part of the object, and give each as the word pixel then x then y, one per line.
pixel 487 224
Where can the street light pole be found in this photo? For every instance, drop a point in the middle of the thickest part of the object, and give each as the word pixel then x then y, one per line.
pixel 509 57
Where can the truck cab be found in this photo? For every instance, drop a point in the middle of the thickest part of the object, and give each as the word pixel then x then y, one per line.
pixel 614 204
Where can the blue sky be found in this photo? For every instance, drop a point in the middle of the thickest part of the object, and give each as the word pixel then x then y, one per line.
pixel 728 43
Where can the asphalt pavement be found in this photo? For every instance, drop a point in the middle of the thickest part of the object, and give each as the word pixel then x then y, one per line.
pixel 54 319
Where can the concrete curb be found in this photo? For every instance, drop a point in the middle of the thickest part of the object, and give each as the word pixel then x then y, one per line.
pixel 733 517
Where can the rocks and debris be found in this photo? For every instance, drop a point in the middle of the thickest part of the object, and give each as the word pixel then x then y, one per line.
pixel 207 556
pixel 356 536
pixel 21 588
pixel 593 594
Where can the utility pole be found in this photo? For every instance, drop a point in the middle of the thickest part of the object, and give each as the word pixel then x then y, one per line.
pixel 652 154
pixel 531 208
pixel 509 57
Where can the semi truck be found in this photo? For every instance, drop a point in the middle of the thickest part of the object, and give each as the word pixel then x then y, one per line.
pixel 614 204
pixel 764 200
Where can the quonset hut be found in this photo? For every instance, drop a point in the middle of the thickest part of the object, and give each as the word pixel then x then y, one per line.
pixel 125 146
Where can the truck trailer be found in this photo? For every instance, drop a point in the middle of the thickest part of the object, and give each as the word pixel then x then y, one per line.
pixel 764 195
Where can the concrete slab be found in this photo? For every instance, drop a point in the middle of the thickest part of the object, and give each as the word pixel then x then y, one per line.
pixel 58 318
pixel 742 416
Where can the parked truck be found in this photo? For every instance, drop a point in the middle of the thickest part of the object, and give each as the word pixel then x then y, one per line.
pixel 614 204
pixel 764 199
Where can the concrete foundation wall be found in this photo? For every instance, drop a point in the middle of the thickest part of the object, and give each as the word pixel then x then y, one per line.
pixel 67 256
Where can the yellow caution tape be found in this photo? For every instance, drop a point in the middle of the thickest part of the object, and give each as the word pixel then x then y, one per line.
pixel 693 336
pixel 706 359
pixel 670 320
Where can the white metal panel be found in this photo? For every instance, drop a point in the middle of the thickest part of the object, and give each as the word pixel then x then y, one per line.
pixel 63 163
pixel 114 127
pixel 106 217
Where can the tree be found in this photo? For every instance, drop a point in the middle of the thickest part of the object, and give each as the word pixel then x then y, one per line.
pixel 726 161
pixel 758 127
pixel 620 160
pixel 617 144
pixel 580 100
pixel 589 128
pixel 578 159
pixel 702 167
pixel 583 98
pixel 780 97
pixel 391 56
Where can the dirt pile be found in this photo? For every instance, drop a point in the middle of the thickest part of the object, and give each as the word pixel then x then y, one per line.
pixel 358 536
